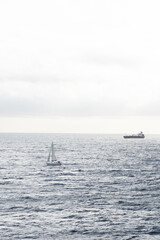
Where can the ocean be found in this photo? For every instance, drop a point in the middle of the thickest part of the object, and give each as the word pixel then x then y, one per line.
pixel 106 188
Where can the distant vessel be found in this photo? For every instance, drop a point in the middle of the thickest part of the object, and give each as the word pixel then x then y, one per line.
pixel 139 135
pixel 52 160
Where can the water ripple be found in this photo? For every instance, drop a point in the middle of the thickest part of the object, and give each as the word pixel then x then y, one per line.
pixel 106 188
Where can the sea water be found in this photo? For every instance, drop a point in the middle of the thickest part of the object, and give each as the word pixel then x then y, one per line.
pixel 106 188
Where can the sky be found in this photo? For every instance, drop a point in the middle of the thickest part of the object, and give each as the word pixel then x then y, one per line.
pixel 80 66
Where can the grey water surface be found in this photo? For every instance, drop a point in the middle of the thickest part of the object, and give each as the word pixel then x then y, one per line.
pixel 106 188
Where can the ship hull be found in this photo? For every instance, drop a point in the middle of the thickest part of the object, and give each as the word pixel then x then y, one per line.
pixel 137 137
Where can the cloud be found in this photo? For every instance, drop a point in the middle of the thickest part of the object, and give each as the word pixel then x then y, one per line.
pixel 107 60
pixel 84 58
pixel 108 97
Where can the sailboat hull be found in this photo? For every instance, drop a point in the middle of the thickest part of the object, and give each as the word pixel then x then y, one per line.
pixel 56 163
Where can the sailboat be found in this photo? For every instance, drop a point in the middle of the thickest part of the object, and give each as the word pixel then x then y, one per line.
pixel 52 160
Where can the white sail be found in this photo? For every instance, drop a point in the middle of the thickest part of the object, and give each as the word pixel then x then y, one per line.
pixel 53 154
pixel 52 160
pixel 49 157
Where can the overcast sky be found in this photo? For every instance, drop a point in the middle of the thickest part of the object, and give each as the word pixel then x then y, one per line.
pixel 79 66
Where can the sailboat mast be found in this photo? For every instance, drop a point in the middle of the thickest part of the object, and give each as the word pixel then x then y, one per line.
pixel 52 151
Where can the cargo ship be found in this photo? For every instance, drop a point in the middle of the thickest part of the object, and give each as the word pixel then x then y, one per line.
pixel 139 135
